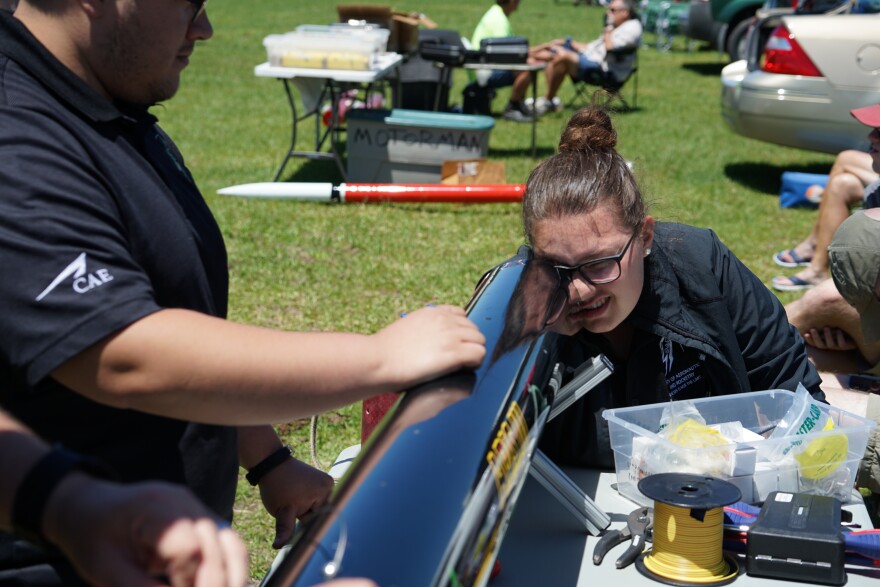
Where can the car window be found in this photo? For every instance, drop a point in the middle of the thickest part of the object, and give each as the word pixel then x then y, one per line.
pixel 820 6
pixel 866 7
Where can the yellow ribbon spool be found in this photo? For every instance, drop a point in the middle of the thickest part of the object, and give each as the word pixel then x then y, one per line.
pixel 688 530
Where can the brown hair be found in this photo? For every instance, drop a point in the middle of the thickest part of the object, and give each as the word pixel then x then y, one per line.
pixel 587 171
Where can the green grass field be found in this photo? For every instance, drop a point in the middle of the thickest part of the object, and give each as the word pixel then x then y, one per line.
pixel 309 266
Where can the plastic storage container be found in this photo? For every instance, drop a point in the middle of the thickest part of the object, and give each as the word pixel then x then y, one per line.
pixel 757 467
pixel 327 47
pixel 410 146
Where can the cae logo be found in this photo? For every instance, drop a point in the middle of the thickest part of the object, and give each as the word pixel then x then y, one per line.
pixel 82 281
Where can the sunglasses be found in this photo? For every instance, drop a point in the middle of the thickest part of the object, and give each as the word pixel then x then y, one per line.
pixel 596 272
pixel 612 9
pixel 198 8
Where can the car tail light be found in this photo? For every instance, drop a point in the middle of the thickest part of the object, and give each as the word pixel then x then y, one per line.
pixel 783 54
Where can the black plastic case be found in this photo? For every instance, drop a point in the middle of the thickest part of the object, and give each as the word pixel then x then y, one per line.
pixel 504 50
pixel 797 537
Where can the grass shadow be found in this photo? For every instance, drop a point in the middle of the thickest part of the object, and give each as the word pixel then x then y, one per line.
pixel 323 170
pixel 540 152
pixel 626 110
pixel 765 177
pixel 708 69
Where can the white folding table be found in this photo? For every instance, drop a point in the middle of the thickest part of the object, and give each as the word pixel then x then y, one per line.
pixel 315 86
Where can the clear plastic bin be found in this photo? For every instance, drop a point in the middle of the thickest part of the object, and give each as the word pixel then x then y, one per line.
pixel 756 467
pixel 327 47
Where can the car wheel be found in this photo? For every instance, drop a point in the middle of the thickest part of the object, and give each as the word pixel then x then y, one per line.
pixel 736 40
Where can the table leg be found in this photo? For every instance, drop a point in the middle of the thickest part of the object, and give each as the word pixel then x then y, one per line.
pixel 331 133
pixel 534 114
pixel 442 80
pixel 293 125
pixel 333 129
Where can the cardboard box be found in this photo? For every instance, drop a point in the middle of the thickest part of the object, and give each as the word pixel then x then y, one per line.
pixel 472 171
pixel 379 14
pixel 403 26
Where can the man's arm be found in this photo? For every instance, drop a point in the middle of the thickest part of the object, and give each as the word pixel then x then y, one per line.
pixel 626 36
pixel 289 489
pixel 187 365
pixel 135 532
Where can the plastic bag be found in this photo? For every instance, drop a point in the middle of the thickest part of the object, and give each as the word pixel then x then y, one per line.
pixel 682 424
pixel 818 460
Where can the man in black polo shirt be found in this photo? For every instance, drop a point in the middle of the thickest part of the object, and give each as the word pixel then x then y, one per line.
pixel 113 340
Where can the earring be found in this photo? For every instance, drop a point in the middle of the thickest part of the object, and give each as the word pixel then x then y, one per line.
pixel 647 251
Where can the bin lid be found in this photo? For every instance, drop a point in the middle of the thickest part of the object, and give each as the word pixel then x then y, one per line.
pixel 403 117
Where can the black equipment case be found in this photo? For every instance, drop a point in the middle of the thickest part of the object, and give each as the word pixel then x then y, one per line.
pixel 504 50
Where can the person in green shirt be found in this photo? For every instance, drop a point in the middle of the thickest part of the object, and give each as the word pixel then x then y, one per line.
pixel 496 23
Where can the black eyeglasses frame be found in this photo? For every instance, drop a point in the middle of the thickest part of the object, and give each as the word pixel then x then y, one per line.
pixel 565 274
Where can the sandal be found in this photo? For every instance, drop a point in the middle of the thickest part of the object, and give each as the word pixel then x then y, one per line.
pixel 795 283
pixel 797 260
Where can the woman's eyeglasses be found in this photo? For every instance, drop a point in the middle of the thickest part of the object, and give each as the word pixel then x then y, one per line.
pixel 595 272
pixel 198 8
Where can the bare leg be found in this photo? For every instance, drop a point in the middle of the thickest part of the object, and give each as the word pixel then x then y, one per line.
pixel 843 191
pixel 856 163
pixel 544 53
pixel 521 84
pixel 818 315
pixel 563 65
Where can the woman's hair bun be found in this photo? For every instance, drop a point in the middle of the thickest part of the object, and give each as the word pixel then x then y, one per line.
pixel 589 129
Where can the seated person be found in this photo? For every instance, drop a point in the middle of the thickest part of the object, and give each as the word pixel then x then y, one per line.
pixel 853 180
pixel 595 62
pixel 855 257
pixel 494 24
pixel 837 317
pixel 672 307
pixel 841 317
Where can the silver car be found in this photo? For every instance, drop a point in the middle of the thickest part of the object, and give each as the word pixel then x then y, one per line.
pixel 798 88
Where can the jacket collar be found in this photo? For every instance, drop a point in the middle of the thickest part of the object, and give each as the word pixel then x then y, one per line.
pixel 661 310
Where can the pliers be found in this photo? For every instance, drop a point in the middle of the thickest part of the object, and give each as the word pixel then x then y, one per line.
pixel 638 527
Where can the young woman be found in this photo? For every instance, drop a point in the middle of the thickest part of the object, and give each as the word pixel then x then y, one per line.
pixel 676 312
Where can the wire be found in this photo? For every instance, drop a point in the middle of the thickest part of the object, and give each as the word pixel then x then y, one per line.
pixel 313 442
pixel 687 549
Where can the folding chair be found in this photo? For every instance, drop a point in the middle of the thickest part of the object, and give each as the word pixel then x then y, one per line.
pixel 587 90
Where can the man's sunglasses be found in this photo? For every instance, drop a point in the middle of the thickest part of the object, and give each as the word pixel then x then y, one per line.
pixel 198 8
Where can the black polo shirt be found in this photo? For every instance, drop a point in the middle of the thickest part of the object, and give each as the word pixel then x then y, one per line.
pixel 100 225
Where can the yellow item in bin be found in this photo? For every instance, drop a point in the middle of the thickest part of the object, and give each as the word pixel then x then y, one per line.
pixel 710 454
pixel 326 60
pixel 692 434
pixel 822 456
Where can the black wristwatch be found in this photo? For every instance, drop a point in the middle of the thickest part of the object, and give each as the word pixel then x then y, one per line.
pixel 34 491
pixel 261 469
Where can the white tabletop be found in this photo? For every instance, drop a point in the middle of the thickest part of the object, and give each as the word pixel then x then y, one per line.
pixel 544 545
pixel 507 66
pixel 385 62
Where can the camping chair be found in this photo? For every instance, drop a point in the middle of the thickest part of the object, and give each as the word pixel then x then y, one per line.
pixel 588 89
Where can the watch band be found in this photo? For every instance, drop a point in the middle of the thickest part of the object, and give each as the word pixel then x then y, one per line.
pixel 255 474
pixel 34 491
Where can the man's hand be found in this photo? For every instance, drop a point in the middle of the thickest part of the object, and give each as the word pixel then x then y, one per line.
pixel 429 343
pixel 290 491
pixel 130 535
pixel 831 339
